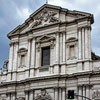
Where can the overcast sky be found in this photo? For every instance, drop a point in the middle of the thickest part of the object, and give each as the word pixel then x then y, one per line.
pixel 14 12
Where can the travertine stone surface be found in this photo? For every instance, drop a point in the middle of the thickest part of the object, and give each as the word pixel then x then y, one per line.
pixel 68 34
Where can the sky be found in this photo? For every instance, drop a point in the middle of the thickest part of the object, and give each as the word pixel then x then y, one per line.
pixel 15 12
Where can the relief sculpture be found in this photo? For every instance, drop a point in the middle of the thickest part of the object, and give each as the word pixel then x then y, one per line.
pixel 45 17
pixel 43 96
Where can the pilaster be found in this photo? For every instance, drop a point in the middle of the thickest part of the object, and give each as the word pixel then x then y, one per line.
pixel 56 94
pixel 26 95
pixel 63 94
pixel 80 93
pixel 32 58
pixel 83 41
pixel 10 58
pixel 80 44
pixel 84 92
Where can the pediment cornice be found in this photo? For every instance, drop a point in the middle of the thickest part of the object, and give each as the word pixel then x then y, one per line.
pixel 47 17
pixel 45 38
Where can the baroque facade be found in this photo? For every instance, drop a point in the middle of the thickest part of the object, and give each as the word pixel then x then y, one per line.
pixel 50 53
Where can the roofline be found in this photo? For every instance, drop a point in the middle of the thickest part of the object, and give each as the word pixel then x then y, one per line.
pixel 50 6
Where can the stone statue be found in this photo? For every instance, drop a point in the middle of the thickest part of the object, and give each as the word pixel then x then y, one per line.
pixel 5 65
pixel 44 17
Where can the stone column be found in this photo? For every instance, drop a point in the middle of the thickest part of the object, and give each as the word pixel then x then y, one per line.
pixel 13 96
pixel 79 42
pixel 63 68
pixel 60 94
pixel 26 95
pixel 51 60
pixel 32 58
pixel 84 92
pixel 28 59
pixel 15 62
pixel 64 47
pixel 91 92
pixel 38 58
pixel 61 48
pixel 29 54
pixel 10 58
pixel 87 92
pixel 57 48
pixel 10 65
pixel 83 45
pixel 89 41
pixel 56 94
pixel 86 44
pixel 63 94
pixel 56 68
pixel 9 97
pixel 80 92
pixel 31 95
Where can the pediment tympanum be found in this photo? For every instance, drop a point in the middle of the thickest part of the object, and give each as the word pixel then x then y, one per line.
pixel 49 15
pixel 45 38
pixel 46 17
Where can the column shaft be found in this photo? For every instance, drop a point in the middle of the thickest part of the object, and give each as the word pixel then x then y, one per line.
pixel 63 94
pixel 10 58
pixel 64 47
pixel 26 96
pixel 87 92
pixel 33 54
pixel 29 52
pixel 86 44
pixel 31 95
pixel 83 45
pixel 80 44
pixel 57 48
pixel 56 94
pixel 84 92
pixel 80 93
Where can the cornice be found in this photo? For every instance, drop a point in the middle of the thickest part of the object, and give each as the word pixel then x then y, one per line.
pixel 58 24
pixel 89 74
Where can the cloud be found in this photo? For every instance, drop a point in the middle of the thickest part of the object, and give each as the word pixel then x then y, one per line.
pixel 91 6
pixel 23 13
pixel 15 12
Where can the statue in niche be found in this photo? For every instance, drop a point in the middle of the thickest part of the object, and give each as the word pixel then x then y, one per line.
pixel 46 16
pixel 43 96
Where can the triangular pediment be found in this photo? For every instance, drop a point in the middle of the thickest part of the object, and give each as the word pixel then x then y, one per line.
pixel 45 38
pixel 48 15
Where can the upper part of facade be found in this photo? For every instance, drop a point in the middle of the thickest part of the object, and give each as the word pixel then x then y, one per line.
pixel 52 41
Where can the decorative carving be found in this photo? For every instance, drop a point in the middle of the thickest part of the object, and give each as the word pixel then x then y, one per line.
pixel 22 51
pixel 43 96
pixel 45 17
pixel 5 65
pixel 52 44
pixel 96 94
pixel 20 98
pixel 38 46
pixel 45 39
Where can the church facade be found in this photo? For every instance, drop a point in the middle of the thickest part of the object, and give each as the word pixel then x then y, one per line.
pixel 50 53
